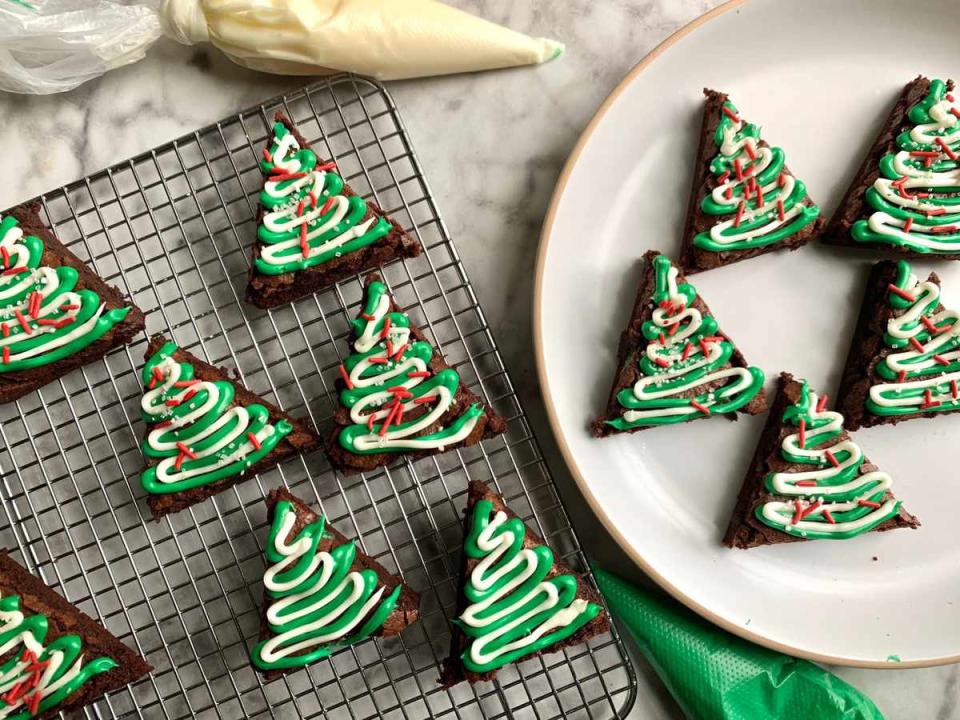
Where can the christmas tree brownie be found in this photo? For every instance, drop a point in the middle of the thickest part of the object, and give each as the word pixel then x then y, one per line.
pixel 744 201
pixel 313 229
pixel 904 361
pixel 206 432
pixel 906 195
pixel 516 601
pixel 398 396
pixel 809 480
pixel 321 592
pixel 55 313
pixel 54 658
pixel 674 364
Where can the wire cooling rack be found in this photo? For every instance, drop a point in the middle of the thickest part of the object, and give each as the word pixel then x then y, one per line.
pixel 172 228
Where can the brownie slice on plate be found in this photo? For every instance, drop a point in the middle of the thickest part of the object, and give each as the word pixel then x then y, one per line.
pixel 55 657
pixel 905 195
pixel 744 201
pixel 56 314
pixel 904 361
pixel 674 364
pixel 312 228
pixel 809 480
pixel 321 592
pixel 507 569
pixel 206 432
pixel 398 395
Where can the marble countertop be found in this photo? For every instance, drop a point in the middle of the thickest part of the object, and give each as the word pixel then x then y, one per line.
pixel 492 186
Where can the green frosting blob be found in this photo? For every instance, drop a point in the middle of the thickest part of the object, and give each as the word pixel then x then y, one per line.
pixel 291 258
pixel 307 602
pixel 513 614
pixel 222 447
pixel 71 647
pixel 44 318
pixel 752 190
pixel 675 376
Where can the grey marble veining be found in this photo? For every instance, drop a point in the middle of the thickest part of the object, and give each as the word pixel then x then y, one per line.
pixel 492 146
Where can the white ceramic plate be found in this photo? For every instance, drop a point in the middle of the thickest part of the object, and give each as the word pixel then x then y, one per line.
pixel 819 77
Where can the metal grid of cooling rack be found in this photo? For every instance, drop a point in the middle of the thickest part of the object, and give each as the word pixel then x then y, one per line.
pixel 172 229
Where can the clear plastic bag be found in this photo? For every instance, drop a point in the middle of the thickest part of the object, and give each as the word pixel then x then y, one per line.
pixel 57 44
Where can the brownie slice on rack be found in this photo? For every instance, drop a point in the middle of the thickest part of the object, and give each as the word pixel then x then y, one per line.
pixel 486 633
pixel 206 432
pixel 56 658
pixel 398 396
pixel 674 364
pixel 809 480
pixel 56 314
pixel 310 562
pixel 313 230
pixel 744 200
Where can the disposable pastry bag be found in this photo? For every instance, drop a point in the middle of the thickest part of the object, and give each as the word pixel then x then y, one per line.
pixel 714 675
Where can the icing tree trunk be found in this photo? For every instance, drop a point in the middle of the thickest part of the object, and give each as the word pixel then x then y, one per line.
pixel 197 433
pixel 832 500
pixel 756 201
pixel 43 316
pixel 307 219
pixel 394 398
pixel 685 368
pixel 915 202
pixel 923 368
pixel 317 604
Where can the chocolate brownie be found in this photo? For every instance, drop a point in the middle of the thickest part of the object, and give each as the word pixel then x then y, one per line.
pixel 302 438
pixel 886 381
pixel 915 217
pixel 15 384
pixel 802 508
pixel 270 290
pixel 789 210
pixel 591 621
pixel 673 325
pixel 62 619
pixel 405 612
pixel 413 397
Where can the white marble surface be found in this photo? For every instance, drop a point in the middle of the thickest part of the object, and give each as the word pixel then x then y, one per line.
pixel 492 146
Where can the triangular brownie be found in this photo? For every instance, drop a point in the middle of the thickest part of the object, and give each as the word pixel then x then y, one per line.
pixel 905 195
pixel 674 364
pixel 904 361
pixel 744 200
pixel 398 396
pixel 809 480
pixel 506 570
pixel 312 228
pixel 311 565
pixel 56 314
pixel 55 658
pixel 206 432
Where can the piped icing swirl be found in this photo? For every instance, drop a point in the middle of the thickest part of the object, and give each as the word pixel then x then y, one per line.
pixel 756 201
pixel 44 318
pixel 685 369
pixel 916 199
pixel 196 430
pixel 317 603
pixel 39 676
pixel 307 218
pixel 923 368
pixel 393 395
pixel 514 607
pixel 834 499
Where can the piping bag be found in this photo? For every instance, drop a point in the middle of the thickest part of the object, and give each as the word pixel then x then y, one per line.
pixel 714 675
pixel 54 45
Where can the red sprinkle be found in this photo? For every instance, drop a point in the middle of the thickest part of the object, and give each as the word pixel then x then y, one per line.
pixel 730 114
pixel 367 316
pixel 940 359
pixel 936 211
pixel 929 325
pixel 69 306
pixel 346 376
pixel 386 327
pixel 55 323
pixel 267 156
pixel 327 205
pixel 186 451
pixel 953 389
pixel 901 376
pixel 313 199
pixel 900 292
pixel 812 508
pixel 946 149
pixel 955 111
pixel 738 169
pixel 661 362
pixel 172 402
pixel 806 483
pixel 377 360
pixel 728 193
pixel 916 345
pixel 797 512
pixel 15 271
pixel 35 300
pixel 828 517
pixel 702 408
pixel 253 440
pixel 418 374
pixel 6 355
pixel 780 210
pixel 398 353
pixel 183 383
pixel 832 458
pixel 189 394
pixel 5 329
pixel 751 152
pixel 5 254
pixel 426 399
pixel 803 433
pixel 928 401
pixel 370 422
pixel 739 217
pixel 281 175
pixel 23 322
pixel 868 503
pixel 908 224
pixel 323 167
pixel 389 420
pixel 673 329
pixel 164 424
pixel 781 180
pixel 724 177
pixel 822 403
